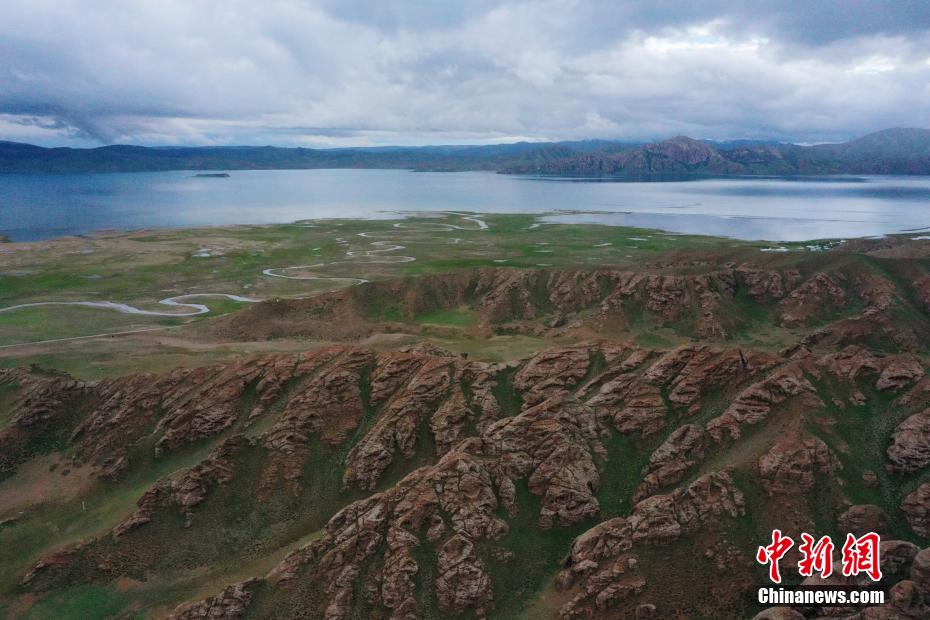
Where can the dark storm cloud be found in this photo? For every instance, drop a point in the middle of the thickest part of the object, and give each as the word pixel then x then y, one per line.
pixel 382 71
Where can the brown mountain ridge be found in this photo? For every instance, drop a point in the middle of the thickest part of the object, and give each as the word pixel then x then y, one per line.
pixel 598 478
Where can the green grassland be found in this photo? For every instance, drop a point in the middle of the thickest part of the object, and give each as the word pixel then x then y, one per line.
pixel 142 268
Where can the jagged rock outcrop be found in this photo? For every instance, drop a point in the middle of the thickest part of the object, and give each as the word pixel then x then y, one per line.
pixel 455 495
pixel 441 456
pixel 810 299
pixel 49 563
pixel 396 427
pixel 710 369
pixel 552 372
pixel 793 464
pixel 920 570
pixel 683 449
pixel 853 363
pixel 910 444
pixel 546 444
pixel 190 489
pixel 897 557
pixel 898 372
pixel 552 444
pixel 916 509
pixel 230 604
pixel 43 400
pixel 697 303
pixel 462 583
pixel 862 519
pixel 767 285
pixel 635 407
pixel 755 403
pixel 663 518
pixel 602 568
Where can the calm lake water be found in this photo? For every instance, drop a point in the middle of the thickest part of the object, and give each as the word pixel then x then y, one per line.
pixel 43 206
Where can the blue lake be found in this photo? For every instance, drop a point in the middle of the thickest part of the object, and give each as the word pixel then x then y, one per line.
pixel 43 206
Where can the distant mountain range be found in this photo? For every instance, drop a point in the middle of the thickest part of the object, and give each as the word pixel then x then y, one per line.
pixel 891 151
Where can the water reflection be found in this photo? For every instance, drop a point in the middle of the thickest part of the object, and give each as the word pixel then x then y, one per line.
pixel 41 206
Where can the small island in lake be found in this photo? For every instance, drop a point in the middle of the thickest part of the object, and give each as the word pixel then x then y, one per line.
pixel 212 175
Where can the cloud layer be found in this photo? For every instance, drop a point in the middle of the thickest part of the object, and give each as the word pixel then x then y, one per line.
pixel 354 72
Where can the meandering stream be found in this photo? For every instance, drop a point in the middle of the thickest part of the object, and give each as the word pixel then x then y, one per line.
pixel 370 256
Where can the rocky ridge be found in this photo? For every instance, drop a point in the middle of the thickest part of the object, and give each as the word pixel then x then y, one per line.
pixel 836 303
pixel 445 468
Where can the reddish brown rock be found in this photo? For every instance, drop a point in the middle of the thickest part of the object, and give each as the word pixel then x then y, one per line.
pixel 862 519
pixel 920 570
pixel 461 583
pixel 634 407
pixel 663 518
pixel 754 404
pixel 848 364
pixel 327 404
pixel 910 444
pixel 711 369
pixel 49 563
pixel 916 509
pixel 188 490
pixel 670 364
pixel 683 449
pixel 792 464
pixel 806 302
pixel 711 317
pixel 550 444
pixel 396 427
pixel 633 404
pixel 459 485
pixel 448 421
pixel 177 408
pixel 552 373
pixel 896 557
pixel 898 372
pixel 667 296
pixel 231 604
pixel 767 285
pixel 41 401
pixel 482 379
pixel 604 541
pixel 215 405
pixel 506 294
pixel 426 349
pixel 600 569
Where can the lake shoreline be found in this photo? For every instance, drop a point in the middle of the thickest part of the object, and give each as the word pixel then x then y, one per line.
pixel 735 207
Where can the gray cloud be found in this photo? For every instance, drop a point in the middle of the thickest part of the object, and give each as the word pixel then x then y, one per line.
pixel 344 72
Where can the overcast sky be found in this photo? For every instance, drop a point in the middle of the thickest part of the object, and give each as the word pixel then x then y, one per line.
pixel 359 72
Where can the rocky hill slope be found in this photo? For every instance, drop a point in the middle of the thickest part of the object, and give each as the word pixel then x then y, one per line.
pixel 836 298
pixel 599 478
pixel 436 486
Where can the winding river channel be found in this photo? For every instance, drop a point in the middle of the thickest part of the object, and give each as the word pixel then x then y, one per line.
pixel 374 255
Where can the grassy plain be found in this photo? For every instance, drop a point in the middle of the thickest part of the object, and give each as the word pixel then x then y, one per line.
pixel 141 268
